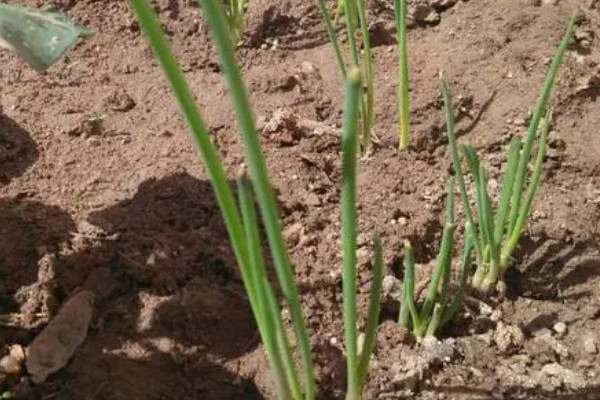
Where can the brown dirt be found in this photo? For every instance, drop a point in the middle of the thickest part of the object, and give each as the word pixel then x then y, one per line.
pixel 102 187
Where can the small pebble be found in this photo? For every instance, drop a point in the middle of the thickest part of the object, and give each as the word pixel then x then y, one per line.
pixel 520 121
pixel 402 221
pixel 496 316
pixel 93 141
pixel 16 351
pixel 560 328
pixel 589 344
pixel 10 365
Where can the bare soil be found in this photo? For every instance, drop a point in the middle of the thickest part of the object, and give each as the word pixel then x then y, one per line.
pixel 101 190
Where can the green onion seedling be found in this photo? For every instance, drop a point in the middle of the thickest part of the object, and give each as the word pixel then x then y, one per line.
pixel 292 381
pixel 234 11
pixel 403 98
pixel 355 12
pixel 497 232
pixel 425 318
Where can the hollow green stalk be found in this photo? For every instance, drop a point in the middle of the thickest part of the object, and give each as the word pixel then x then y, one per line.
pixel 436 309
pixel 215 15
pixel 235 19
pixel 349 222
pixel 408 292
pixel 465 272
pixel 458 173
pixel 266 313
pixel 350 11
pixel 339 11
pixel 403 97
pixel 533 126
pixel 513 239
pixel 444 256
pixel 262 186
pixel 372 314
pixel 333 38
pixel 266 301
pixel 369 116
pixel 488 228
pixel 508 181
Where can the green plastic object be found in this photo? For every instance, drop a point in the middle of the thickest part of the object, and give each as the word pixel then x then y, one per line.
pixel 39 36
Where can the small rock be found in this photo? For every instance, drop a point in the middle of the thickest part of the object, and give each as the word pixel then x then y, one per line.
pixel 424 13
pixel 10 365
pixel 402 221
pixel 312 200
pixel 584 37
pixel 437 352
pixel 293 233
pixel 362 239
pixel 119 100
pixel 93 141
pixel 308 68
pixel 562 376
pixel 589 344
pixel 52 349
pixel 549 2
pixel 382 33
pixel 390 288
pixel 85 127
pixel 496 316
pixel 16 351
pixel 442 4
pixel 520 121
pixel 508 337
pixel 555 141
pixel 545 336
pixel 560 328
pixel 485 309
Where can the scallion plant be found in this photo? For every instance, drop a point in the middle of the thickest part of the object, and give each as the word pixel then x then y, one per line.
pixel 292 381
pixel 403 98
pixel 497 231
pixel 235 11
pixel 424 318
pixel 355 11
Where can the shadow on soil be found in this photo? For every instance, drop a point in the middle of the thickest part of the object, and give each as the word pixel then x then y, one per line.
pixel 18 151
pixel 171 317
pixel 549 269
pixel 29 230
